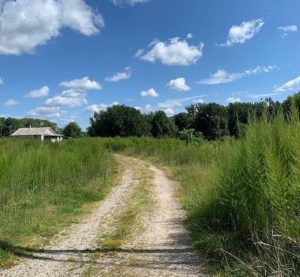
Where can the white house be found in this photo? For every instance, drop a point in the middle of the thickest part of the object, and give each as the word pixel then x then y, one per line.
pixel 43 133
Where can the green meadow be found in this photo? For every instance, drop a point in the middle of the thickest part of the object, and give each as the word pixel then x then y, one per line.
pixel 242 196
pixel 46 186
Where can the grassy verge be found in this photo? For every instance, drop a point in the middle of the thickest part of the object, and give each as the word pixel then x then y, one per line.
pixel 45 187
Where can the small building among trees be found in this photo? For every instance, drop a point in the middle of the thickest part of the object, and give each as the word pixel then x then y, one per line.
pixel 43 133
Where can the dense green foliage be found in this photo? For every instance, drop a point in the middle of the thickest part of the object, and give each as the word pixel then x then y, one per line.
pixel 119 121
pixel 72 130
pixel 10 125
pixel 43 185
pixel 214 121
pixel 161 125
pixel 257 197
pixel 242 196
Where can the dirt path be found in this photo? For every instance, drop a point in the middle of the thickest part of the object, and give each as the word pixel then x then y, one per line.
pixel 162 248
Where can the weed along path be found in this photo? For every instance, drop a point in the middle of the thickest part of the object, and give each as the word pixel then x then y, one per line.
pixel 136 231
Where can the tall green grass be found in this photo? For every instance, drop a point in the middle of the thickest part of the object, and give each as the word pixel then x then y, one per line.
pixel 44 185
pixel 242 196
pixel 258 198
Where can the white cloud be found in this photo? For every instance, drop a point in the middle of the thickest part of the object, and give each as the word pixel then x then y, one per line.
pixel 49 112
pixel 189 36
pixel 70 98
pixel 287 29
pixel 178 84
pixel 121 3
pixel 233 100
pixel 11 103
pixel 198 101
pixel 119 76
pixel 260 69
pixel 290 85
pixel 263 95
pixel 26 24
pixel 149 93
pixel 175 51
pixel 42 92
pixel 223 77
pixel 1 81
pixel 239 34
pixel 96 108
pixel 171 105
pixel 81 84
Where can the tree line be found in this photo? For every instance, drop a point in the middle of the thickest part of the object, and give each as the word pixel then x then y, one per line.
pixel 212 121
pixel 9 125
pixel 208 120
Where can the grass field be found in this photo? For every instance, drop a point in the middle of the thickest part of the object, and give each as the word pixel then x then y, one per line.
pixel 242 197
pixel 44 187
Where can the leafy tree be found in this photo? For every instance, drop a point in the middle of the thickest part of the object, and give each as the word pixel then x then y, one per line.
pixel 211 120
pixel 120 121
pixel 2 124
pixel 72 130
pixel 238 116
pixel 183 121
pixel 162 126
pixel 289 102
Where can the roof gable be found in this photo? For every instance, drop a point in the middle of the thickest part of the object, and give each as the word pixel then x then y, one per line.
pixel 46 131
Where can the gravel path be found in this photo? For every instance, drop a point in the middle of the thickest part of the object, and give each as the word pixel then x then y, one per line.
pixel 162 248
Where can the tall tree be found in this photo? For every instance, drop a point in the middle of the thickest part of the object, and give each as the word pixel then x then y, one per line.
pixel 162 126
pixel 238 116
pixel 72 130
pixel 120 121
pixel 211 120
pixel 183 121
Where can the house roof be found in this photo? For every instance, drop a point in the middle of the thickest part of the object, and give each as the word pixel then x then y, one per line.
pixel 46 131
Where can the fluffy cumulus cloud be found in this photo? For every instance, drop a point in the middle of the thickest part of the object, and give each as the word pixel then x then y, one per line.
pixel 285 30
pixel 121 3
pixel 71 98
pixel 149 93
pixel 239 34
pixel 81 84
pixel 179 84
pixel 292 85
pixel 223 77
pixel 96 108
pixel 49 112
pixel 11 103
pixel 175 51
pixel 119 76
pixel 26 24
pixel 38 93
pixel 233 100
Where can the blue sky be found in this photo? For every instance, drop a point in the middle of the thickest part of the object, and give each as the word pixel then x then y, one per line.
pixel 64 59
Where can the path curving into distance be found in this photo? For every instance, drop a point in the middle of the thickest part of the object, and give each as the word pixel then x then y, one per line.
pixel 161 248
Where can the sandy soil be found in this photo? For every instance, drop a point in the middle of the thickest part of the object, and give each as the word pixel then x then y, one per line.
pixel 162 249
